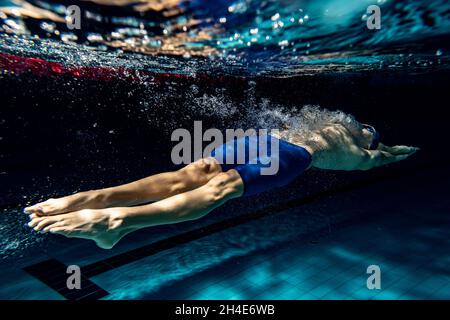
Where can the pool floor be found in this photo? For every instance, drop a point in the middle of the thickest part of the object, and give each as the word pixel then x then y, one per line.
pixel 413 262
pixel 396 225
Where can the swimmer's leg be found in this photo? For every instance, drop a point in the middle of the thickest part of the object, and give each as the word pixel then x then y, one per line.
pixel 149 189
pixel 107 226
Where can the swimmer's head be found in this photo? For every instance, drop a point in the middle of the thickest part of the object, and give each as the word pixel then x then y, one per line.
pixel 370 137
pixel 366 136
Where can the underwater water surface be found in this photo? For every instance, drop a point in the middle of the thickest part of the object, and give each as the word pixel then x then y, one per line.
pixel 247 37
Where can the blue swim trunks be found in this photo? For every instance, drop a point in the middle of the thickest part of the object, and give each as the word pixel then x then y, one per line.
pixel 281 167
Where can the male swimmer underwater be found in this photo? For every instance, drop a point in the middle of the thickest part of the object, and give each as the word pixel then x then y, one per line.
pixel 106 215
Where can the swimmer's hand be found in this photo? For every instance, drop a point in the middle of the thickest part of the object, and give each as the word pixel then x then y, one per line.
pixel 336 149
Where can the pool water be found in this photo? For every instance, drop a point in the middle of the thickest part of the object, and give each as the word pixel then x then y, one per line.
pixel 95 107
pixel 242 37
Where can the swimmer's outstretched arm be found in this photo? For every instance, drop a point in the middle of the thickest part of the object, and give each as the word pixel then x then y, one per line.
pixel 337 149
pixel 385 155
pixel 152 188
pixel 107 226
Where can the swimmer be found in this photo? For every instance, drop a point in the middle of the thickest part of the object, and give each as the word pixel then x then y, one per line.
pixel 106 215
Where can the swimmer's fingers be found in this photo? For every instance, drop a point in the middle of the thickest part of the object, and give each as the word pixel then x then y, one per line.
pixel 377 158
pixel 397 150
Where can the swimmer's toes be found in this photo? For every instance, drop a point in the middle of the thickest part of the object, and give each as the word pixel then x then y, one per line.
pixel 48 221
pixel 50 207
pixel 58 224
pixel 34 220
pixel 35 209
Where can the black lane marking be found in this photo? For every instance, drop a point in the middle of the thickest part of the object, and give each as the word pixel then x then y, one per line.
pixel 43 269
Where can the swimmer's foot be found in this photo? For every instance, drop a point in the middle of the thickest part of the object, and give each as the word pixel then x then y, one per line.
pixel 103 225
pixel 78 201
